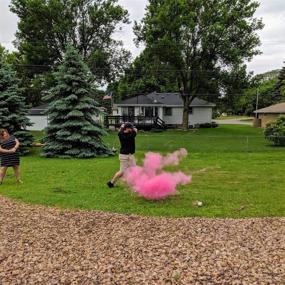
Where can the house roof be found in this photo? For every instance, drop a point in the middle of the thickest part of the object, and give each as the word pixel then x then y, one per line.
pixel 138 100
pixel 39 110
pixel 164 99
pixel 274 109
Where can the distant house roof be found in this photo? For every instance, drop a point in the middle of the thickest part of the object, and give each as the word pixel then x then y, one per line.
pixel 274 109
pixel 38 111
pixel 163 99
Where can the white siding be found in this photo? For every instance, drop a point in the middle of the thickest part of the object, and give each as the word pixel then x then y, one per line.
pixel 175 118
pixel 117 111
pixel 137 111
pixel 39 123
pixel 200 115
pixel 160 112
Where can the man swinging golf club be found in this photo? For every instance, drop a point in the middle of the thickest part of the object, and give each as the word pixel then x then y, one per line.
pixel 127 134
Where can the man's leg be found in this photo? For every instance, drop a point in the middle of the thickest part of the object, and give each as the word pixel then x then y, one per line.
pixel 132 161
pixel 3 171
pixel 125 164
pixel 17 173
pixel 120 173
pixel 117 176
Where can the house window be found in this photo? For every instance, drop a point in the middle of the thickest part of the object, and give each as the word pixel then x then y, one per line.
pixel 131 111
pixel 167 111
pixel 125 111
pixel 141 111
pixel 191 111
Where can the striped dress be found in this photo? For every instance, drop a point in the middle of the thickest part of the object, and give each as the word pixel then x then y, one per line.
pixel 9 159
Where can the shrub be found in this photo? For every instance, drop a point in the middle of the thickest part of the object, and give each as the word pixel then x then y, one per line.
pixel 208 125
pixel 275 132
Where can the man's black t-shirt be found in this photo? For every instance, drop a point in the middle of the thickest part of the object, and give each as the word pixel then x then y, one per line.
pixel 127 140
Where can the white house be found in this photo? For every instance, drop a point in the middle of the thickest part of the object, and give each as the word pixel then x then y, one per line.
pixel 39 118
pixel 167 106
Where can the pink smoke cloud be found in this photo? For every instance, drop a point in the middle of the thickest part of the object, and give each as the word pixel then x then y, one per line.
pixel 151 182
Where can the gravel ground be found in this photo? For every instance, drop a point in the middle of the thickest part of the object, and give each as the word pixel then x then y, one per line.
pixel 49 246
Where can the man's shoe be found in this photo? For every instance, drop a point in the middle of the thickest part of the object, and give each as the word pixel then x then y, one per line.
pixel 110 184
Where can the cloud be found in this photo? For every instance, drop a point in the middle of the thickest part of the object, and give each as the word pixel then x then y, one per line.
pixel 271 7
pixel 8 25
pixel 136 12
pixel 272 37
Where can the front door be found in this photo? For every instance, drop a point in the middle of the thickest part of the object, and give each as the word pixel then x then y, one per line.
pixel 148 112
pixel 131 111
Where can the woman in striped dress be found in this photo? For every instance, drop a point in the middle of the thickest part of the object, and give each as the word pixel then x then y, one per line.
pixel 9 155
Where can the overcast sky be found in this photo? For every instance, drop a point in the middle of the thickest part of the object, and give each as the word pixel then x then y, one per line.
pixel 272 36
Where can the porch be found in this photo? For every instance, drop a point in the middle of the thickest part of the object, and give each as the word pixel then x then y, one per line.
pixel 141 122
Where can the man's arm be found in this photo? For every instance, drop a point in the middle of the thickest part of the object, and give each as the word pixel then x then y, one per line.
pixel 121 129
pixel 134 132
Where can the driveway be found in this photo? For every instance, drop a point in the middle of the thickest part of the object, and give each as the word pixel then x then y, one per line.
pixel 233 122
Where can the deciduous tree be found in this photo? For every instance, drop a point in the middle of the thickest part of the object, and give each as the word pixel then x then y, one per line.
pixel 199 39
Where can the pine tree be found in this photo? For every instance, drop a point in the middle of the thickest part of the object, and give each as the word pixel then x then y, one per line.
pixel 280 86
pixel 72 130
pixel 13 109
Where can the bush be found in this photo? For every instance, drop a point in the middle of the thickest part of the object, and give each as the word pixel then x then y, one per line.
pixel 275 132
pixel 208 125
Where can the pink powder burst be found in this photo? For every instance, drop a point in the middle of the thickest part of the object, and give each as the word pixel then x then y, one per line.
pixel 151 182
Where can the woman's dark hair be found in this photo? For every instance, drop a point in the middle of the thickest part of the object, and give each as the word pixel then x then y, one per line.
pixel 2 131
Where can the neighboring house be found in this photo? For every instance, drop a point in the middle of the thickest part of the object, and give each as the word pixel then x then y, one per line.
pixel 270 114
pixel 167 106
pixel 39 118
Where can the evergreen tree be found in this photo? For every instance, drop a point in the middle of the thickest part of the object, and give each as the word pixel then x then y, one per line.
pixel 13 109
pixel 280 86
pixel 72 130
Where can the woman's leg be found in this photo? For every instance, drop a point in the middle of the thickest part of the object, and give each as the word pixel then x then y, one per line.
pixel 17 173
pixel 3 171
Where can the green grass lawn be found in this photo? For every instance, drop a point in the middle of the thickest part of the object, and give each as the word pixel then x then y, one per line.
pixel 236 173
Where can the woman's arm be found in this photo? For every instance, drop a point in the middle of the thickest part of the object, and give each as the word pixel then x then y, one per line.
pixel 17 144
pixel 2 150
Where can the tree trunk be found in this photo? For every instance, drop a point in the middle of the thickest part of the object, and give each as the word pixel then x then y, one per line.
pixel 185 123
